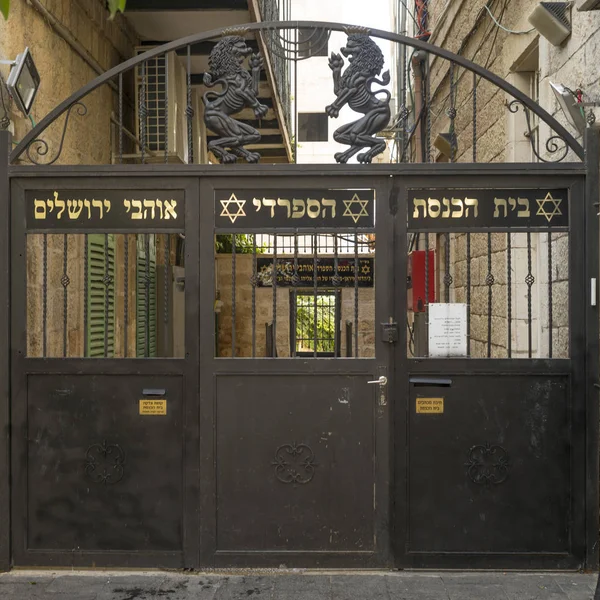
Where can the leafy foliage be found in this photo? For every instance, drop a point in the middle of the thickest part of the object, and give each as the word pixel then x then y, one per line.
pixel 305 323
pixel 244 244
pixel 4 8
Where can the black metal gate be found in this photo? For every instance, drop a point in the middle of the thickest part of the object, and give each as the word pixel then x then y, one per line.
pixel 330 366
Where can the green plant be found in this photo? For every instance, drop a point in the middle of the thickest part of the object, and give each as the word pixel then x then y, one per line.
pixel 244 244
pixel 305 323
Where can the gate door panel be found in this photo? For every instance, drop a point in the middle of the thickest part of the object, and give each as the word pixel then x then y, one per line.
pixel 299 459
pixel 100 458
pixel 494 473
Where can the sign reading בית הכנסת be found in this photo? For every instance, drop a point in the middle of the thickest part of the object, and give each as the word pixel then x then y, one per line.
pixel 446 208
pixel 253 208
pixel 104 210
pixel 447 330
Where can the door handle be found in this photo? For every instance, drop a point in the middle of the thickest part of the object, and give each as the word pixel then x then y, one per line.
pixel 381 381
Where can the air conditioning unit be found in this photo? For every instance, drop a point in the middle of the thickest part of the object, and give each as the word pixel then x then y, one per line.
pixel 590 5
pixel 165 77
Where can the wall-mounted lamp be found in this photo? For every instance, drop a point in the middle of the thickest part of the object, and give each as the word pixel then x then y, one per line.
pixel 443 142
pixel 552 21
pixel 572 107
pixel 23 81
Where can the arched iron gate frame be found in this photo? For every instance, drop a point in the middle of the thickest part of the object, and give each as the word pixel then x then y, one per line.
pixel 589 238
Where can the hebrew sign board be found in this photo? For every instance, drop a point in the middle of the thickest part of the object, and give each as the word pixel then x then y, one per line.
pixel 105 210
pixel 249 209
pixel 436 208
pixel 326 271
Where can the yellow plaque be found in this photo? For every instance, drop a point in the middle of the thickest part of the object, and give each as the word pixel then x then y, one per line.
pixel 153 407
pixel 430 406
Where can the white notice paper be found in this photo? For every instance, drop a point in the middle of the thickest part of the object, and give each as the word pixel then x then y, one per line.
pixel 447 330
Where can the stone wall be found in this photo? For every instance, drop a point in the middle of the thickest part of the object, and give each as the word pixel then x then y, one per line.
pixel 63 71
pixel 264 312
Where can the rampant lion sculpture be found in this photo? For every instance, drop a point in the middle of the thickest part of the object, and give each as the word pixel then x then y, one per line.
pixel 353 87
pixel 240 90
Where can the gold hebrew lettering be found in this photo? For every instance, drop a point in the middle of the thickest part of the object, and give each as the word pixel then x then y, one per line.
pixel 513 203
pixel 127 205
pixel 524 213
pixel 457 202
pixel 59 204
pixel 332 204
pixel 137 205
pixel 419 203
pixel 474 203
pixel 74 208
pixel 39 209
pixel 500 203
pixel 50 203
pixel 107 205
pixel 257 203
pixel 313 208
pixel 299 208
pixel 287 204
pixel 159 205
pixel 149 204
pixel 86 204
pixel 170 209
pixel 446 213
pixel 434 207
pixel 98 204
pixel 270 202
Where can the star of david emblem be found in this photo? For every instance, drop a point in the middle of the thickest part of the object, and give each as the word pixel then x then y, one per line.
pixel 226 212
pixel 554 204
pixel 350 210
pixel 366 269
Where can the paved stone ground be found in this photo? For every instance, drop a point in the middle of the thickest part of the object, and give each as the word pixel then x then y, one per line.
pixel 295 585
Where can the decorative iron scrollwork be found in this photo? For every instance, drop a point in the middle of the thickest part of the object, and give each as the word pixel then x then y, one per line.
pixel 294 463
pixel 41 146
pixel 554 144
pixel 488 464
pixel 353 87
pixel 104 463
pixel 239 91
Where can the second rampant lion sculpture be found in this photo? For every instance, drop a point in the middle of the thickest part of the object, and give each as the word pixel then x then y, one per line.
pixel 353 87
pixel 239 91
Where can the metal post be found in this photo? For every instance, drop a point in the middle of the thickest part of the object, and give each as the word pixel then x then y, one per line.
pixel 592 197
pixel 5 148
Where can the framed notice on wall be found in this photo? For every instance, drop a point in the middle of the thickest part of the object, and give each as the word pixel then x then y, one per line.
pixel 447 330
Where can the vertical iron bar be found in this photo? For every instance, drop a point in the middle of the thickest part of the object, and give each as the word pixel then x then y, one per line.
pixel 166 108
pixel 426 305
pixel 126 297
pixel 509 291
pixel 428 109
pixel 452 113
pixel 85 294
pixel 147 298
pixel 296 100
pixel 447 276
pixel 45 296
pixel 529 280
pixel 549 294
pixel 356 293
pixel 233 290
pixel 336 284
pixel 315 275
pixel 106 293
pixel 65 283
pixel 474 117
pixel 120 118
pixel 275 274
pixel 167 259
pixel 254 283
pixel 143 113
pixel 189 111
pixel 468 294
pixel 295 282
pixel 489 280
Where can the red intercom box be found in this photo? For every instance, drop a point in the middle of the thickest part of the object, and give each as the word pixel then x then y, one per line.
pixel 416 268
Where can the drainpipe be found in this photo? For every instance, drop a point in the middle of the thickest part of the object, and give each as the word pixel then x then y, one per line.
pixel 418 77
pixel 401 91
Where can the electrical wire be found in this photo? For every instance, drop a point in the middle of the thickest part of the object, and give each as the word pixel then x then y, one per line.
pixel 505 28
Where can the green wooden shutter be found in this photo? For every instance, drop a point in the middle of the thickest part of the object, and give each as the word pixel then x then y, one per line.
pixel 99 281
pixel 146 297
